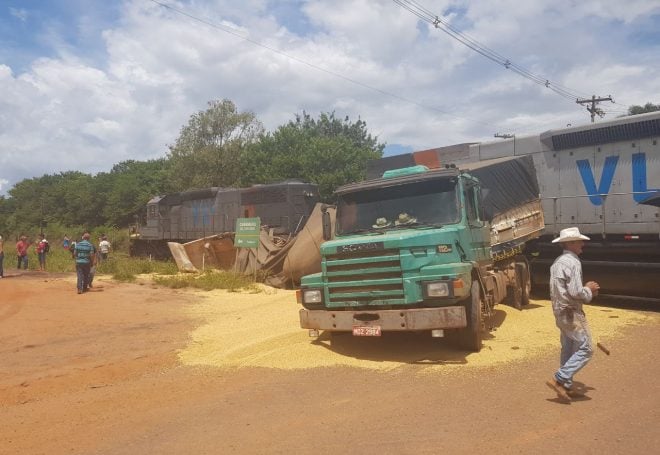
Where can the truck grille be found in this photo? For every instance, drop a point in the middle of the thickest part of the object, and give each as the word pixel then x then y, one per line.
pixel 364 278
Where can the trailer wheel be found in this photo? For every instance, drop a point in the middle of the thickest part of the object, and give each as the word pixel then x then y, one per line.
pixel 469 338
pixel 525 282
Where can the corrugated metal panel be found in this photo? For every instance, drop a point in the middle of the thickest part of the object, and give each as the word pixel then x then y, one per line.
pixel 613 133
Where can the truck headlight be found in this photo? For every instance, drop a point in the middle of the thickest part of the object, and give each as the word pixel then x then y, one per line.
pixel 312 296
pixel 437 289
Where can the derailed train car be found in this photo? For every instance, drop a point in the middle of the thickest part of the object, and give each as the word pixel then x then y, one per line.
pixel 182 217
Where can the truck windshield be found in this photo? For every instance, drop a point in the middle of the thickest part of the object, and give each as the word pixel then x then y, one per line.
pixel 430 203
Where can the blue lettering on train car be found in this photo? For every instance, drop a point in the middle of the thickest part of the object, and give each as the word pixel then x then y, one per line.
pixel 639 178
pixel 202 212
pixel 605 180
pixel 639 183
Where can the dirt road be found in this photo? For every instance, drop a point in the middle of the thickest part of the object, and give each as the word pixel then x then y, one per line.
pixel 131 369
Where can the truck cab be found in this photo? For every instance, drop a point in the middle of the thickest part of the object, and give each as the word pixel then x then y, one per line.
pixel 404 256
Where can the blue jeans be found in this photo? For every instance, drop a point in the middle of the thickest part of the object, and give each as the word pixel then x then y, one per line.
pixel 2 259
pixel 22 260
pixel 82 270
pixel 576 345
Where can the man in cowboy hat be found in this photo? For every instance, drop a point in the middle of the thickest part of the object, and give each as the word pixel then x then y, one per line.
pixel 567 294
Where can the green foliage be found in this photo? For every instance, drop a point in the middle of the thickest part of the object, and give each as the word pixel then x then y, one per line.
pixel 327 151
pixel 128 187
pixel 218 147
pixel 207 151
pixel 210 279
pixel 648 107
pixel 81 201
pixel 125 268
pixel 58 260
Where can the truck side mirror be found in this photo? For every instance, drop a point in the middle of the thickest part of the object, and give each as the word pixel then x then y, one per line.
pixel 327 225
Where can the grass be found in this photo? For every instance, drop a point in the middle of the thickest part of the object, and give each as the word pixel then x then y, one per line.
pixel 208 280
pixel 126 269
pixel 121 266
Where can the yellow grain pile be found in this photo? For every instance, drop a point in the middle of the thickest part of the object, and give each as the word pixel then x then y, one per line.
pixel 262 330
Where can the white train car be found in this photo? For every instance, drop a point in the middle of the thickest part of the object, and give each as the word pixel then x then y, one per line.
pixel 602 177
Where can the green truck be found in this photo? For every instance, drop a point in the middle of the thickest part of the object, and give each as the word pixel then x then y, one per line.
pixel 426 249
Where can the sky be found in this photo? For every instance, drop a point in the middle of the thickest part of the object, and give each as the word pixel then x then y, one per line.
pixel 86 84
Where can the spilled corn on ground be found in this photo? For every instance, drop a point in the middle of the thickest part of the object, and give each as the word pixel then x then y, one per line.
pixel 262 330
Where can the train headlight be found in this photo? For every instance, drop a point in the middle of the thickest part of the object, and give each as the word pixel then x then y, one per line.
pixel 312 296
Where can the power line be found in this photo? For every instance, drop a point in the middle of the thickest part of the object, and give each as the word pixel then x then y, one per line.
pixel 424 14
pixel 232 31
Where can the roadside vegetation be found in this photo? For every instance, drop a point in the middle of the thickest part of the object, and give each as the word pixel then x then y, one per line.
pixel 209 280
pixel 121 267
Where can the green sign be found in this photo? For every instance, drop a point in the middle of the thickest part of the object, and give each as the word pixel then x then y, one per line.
pixel 247 232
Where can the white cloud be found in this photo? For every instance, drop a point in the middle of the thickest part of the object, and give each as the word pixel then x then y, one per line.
pixel 156 68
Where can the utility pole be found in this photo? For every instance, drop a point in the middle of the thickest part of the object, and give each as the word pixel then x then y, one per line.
pixel 507 136
pixel 593 110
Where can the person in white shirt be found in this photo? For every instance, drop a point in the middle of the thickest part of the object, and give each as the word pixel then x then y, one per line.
pixel 568 294
pixel 104 248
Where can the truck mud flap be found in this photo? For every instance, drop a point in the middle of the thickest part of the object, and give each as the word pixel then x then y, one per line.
pixel 452 317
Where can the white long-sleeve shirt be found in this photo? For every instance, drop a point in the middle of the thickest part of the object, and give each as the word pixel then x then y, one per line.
pixel 566 288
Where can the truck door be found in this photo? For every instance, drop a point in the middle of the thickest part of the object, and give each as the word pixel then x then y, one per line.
pixel 479 232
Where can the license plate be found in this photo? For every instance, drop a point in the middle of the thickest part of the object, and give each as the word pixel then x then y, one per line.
pixel 366 331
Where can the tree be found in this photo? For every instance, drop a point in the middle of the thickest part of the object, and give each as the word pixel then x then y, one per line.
pixel 327 151
pixel 70 198
pixel 129 186
pixel 648 107
pixel 207 151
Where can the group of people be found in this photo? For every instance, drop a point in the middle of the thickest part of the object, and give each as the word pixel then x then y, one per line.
pixel 41 247
pixel 85 257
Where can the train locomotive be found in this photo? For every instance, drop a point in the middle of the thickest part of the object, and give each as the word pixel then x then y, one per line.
pixel 181 217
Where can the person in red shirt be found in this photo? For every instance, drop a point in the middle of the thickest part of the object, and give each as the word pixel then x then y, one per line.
pixel 21 252
pixel 42 249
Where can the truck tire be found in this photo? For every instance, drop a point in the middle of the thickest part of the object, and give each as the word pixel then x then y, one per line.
pixel 525 282
pixel 514 294
pixel 469 338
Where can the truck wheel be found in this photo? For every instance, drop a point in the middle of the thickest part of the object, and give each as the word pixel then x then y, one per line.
pixel 522 270
pixel 514 294
pixel 469 338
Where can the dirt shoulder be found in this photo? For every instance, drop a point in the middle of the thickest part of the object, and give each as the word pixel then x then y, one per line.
pixel 131 368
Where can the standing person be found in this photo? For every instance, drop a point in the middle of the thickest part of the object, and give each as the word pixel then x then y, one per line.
pixel 21 252
pixel 568 294
pixel 2 257
pixel 84 253
pixel 42 248
pixel 66 242
pixel 104 248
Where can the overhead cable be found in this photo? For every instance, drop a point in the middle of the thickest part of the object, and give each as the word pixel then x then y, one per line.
pixel 424 14
pixel 312 65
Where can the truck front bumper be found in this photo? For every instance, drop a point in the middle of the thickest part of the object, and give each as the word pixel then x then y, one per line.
pixel 451 317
